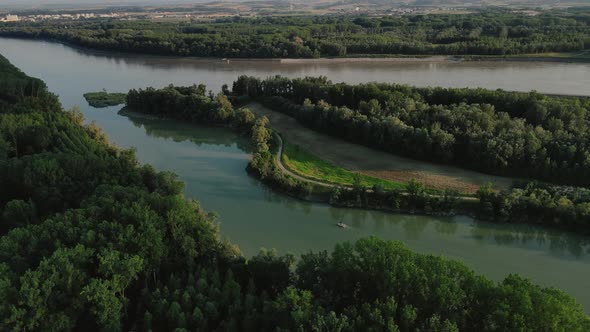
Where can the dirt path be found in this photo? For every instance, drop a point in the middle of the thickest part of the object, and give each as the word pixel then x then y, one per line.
pixel 293 174
pixel 330 185
pixel 376 163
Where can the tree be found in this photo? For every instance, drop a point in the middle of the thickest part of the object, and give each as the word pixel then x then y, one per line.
pixel 19 213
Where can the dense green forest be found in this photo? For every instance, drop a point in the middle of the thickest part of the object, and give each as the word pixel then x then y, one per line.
pixel 497 132
pixel 494 32
pixel 91 240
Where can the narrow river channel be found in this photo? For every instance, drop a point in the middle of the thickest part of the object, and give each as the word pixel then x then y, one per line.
pixel 211 161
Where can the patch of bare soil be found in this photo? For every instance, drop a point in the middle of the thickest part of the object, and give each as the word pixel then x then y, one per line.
pixel 434 181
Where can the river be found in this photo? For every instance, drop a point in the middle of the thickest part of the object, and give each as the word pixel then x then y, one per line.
pixel 212 161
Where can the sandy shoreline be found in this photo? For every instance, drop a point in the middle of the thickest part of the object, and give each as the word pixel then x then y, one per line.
pixel 326 60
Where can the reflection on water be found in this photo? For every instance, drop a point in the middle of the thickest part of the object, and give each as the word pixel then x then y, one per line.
pixel 179 132
pixel 560 244
pixel 212 161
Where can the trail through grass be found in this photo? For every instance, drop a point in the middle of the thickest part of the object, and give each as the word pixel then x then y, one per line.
pixel 307 165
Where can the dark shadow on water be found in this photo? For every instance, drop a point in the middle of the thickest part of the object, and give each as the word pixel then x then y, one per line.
pixel 181 131
pixel 561 244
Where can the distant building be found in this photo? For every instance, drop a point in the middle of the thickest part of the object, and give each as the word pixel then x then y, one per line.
pixel 10 18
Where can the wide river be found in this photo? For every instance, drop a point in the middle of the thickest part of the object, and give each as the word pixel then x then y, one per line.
pixel 211 161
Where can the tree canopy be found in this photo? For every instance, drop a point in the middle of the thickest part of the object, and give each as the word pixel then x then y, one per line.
pixel 492 32
pixel 505 133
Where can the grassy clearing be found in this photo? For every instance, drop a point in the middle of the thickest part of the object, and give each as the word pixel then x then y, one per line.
pixel 104 99
pixel 310 166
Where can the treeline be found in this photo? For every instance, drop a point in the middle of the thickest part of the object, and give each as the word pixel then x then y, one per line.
pixel 414 197
pixel 84 228
pixel 129 252
pixel 487 33
pixel 534 203
pixel 369 285
pixel 191 103
pixel 496 132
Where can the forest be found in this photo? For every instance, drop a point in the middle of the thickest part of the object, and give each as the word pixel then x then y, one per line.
pixel 92 240
pixel 493 131
pixel 491 32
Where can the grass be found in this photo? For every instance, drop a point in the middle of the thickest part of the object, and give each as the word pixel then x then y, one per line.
pixel 104 99
pixel 307 165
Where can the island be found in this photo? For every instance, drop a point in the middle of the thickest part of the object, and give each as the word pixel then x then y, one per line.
pixel 103 99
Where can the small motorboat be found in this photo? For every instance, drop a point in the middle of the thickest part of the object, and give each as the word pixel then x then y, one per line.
pixel 342 225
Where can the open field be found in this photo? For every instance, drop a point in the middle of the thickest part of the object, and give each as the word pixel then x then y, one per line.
pixel 374 163
pixel 308 165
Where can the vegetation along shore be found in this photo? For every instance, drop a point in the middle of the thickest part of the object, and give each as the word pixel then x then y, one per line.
pixel 104 99
pixel 555 34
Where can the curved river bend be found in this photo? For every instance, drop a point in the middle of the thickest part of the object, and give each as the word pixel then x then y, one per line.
pixel 211 161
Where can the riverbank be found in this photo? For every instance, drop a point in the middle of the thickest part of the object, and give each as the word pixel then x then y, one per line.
pixel 581 56
pixel 369 59
pixel 357 58
pixel 431 59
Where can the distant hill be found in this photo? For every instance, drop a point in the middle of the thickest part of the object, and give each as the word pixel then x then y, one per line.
pixel 458 3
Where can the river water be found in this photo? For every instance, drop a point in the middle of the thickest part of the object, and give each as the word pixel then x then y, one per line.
pixel 212 161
